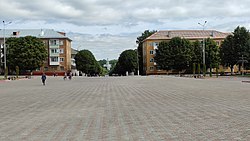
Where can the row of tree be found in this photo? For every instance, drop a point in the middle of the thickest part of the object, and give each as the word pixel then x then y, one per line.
pixel 86 63
pixel 29 53
pixel 181 54
pixel 236 49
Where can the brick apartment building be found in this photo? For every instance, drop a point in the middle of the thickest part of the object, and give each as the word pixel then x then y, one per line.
pixel 152 42
pixel 57 43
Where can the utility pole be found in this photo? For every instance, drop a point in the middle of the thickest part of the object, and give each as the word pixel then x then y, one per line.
pixel 203 49
pixel 4 48
pixel 138 62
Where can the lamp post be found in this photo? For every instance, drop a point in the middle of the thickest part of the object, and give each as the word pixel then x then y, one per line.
pixel 203 49
pixel 138 62
pixel 4 48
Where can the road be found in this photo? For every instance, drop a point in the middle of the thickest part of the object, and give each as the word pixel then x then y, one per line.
pixel 151 108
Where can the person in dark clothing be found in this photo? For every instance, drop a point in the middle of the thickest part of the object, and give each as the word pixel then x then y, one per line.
pixel 43 78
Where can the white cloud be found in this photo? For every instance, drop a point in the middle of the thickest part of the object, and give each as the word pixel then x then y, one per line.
pixel 113 18
pixel 104 45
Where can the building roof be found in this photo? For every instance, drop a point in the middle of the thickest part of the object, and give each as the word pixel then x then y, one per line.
pixel 74 51
pixel 39 33
pixel 187 34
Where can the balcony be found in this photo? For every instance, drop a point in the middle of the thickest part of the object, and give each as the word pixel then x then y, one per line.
pixel 54 46
pixel 54 54
pixel 53 63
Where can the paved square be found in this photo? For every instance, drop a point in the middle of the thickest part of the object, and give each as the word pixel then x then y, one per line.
pixel 151 108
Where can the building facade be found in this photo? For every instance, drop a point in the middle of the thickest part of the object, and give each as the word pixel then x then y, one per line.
pixel 151 43
pixel 57 44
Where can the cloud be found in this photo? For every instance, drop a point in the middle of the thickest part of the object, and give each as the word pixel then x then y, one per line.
pixel 110 12
pixel 104 46
pixel 107 27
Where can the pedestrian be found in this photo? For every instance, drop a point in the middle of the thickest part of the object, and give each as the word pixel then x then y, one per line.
pixel 43 78
pixel 70 76
pixel 65 76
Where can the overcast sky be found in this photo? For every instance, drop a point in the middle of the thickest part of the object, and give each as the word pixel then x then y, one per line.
pixel 108 27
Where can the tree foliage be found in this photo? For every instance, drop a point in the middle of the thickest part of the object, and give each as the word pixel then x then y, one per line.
pixel 102 62
pixel 196 52
pixel 127 62
pixel 212 54
pixel 234 46
pixel 113 63
pixel 139 42
pixel 175 54
pixel 28 53
pixel 86 62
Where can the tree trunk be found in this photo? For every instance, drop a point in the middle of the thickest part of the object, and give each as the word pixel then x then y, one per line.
pixel 210 69
pixel 231 67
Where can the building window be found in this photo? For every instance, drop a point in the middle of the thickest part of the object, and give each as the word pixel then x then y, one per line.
pixel 156 44
pixel 46 68
pixel 62 68
pixel 151 60
pixel 61 50
pixel 151 68
pixel 54 50
pixel 61 59
pixel 61 42
pixel 151 52
pixel 54 59
pixel 54 42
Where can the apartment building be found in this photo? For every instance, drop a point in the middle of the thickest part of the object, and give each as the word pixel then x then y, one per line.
pixel 57 43
pixel 151 43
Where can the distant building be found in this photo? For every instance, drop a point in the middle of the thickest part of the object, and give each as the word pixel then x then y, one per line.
pixel 57 44
pixel 107 65
pixel 151 43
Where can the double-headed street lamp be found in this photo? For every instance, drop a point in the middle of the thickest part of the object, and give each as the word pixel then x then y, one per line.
pixel 203 49
pixel 4 47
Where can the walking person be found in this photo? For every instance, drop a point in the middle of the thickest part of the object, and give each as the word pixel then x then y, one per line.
pixel 70 76
pixel 43 78
pixel 65 76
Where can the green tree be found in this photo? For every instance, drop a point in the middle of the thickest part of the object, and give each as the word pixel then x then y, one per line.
pixel 127 62
pixel 234 46
pixel 112 63
pixel 176 54
pixel 28 53
pixel 196 52
pixel 86 62
pixel 139 42
pixel 102 62
pixel 164 57
pixel 182 53
pixel 212 54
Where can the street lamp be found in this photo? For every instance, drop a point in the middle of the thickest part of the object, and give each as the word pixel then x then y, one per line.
pixel 4 48
pixel 203 49
pixel 138 62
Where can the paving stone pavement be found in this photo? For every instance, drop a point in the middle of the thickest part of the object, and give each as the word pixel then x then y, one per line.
pixel 151 108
